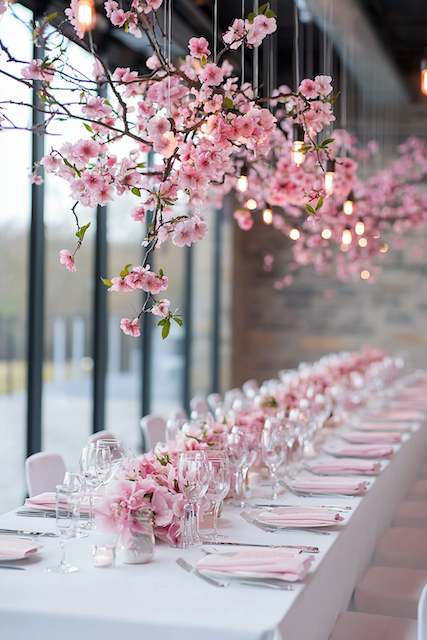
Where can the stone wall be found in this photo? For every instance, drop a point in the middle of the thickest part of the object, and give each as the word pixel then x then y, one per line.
pixel 277 329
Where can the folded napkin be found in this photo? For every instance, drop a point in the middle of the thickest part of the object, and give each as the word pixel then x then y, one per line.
pixel 11 547
pixel 358 437
pixel 346 486
pixel 47 502
pixel 409 403
pixel 362 451
pixel 390 414
pixel 386 426
pixel 344 467
pixel 299 517
pixel 262 563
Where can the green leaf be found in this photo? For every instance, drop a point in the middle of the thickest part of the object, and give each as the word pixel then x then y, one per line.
pixel 161 273
pixel 270 14
pixel 166 328
pixel 80 233
pixel 319 204
pixel 228 103
pixel 51 16
pixel 251 17
pixel 161 322
pixel 136 191
pixel 310 209
pixel 178 321
pixel 107 282
pixel 203 61
pixel 263 8
pixel 87 127
pixel 125 271
pixel 141 165
pixel 325 143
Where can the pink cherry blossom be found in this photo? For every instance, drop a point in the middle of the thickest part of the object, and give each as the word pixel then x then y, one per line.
pixel 66 258
pixel 199 47
pixel 139 214
pixel 308 88
pixel 235 34
pixel 323 85
pixel 38 70
pixel 161 309
pixel 212 75
pixel 130 327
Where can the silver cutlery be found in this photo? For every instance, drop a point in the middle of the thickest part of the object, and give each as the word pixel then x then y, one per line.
pixel 190 569
pixel 252 582
pixel 298 547
pixel 290 506
pixel 272 529
pixel 21 532
pixel 9 566
pixel 40 513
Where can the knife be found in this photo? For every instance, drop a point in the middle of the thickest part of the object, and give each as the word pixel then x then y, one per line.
pixel 188 567
pixel 298 547
pixel 21 532
pixel 8 566
pixel 288 506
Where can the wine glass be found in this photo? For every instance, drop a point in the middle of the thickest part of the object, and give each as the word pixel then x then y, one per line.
pixel 193 480
pixel 74 483
pixel 65 525
pixel 219 486
pixel 95 466
pixel 273 450
pixel 238 453
pixel 117 452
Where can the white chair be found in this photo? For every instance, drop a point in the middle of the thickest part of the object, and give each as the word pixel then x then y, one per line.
pixel 179 414
pixel 422 615
pixel 43 472
pixel 199 406
pixel 154 431
pixel 101 435
pixel 232 395
pixel 353 625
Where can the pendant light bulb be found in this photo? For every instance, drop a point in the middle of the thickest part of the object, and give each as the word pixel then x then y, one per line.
pixel 251 204
pixel 242 180
pixel 267 215
pixel 348 206
pixel 86 15
pixel 297 154
pixel 329 177
pixel 347 237
pixel 365 274
pixel 423 77
pixel 294 234
pixel 359 228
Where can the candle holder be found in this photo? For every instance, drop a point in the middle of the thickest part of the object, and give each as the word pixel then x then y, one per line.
pixel 104 555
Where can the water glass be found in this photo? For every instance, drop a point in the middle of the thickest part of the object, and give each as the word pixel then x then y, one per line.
pixel 65 526
pixel 193 480
pixel 218 488
pixel 273 444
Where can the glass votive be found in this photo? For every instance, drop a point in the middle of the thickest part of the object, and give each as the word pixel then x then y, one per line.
pixel 136 543
pixel 103 555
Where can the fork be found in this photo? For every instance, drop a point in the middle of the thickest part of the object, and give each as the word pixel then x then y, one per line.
pixel 271 529
pixel 254 582
pixel 36 534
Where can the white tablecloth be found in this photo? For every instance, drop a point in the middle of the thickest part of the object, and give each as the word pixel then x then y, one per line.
pixel 159 601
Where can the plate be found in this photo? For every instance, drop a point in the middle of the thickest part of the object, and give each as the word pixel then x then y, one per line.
pixel 21 556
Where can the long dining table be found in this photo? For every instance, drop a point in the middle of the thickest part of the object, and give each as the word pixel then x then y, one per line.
pixel 160 601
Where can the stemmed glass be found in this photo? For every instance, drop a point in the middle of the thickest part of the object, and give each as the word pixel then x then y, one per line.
pixel 219 486
pixel 273 450
pixel 65 525
pixel 73 483
pixel 193 480
pixel 95 466
pixel 238 453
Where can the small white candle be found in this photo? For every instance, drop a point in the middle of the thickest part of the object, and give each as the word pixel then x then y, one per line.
pixel 103 555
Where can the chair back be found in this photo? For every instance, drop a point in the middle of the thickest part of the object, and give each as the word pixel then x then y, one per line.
pixel 43 471
pixel 422 615
pixel 199 406
pixel 154 431
pixel 179 414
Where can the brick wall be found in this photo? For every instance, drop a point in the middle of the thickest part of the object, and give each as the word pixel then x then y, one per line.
pixel 277 329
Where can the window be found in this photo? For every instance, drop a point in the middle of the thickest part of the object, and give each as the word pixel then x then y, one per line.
pixel 14 224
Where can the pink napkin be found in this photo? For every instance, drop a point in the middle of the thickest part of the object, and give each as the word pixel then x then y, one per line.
pixel 47 502
pixel 358 437
pixel 330 485
pixel 299 517
pixel 362 451
pixel 386 426
pixel 282 564
pixel 390 414
pixel 343 467
pixel 408 403
pixel 11 547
